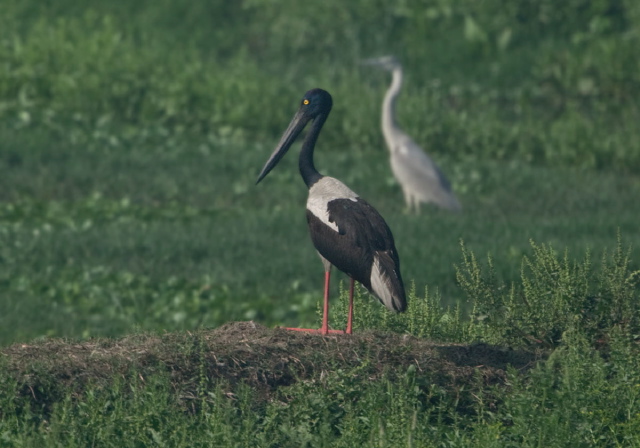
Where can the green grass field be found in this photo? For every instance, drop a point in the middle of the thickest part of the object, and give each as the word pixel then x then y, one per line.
pixel 131 137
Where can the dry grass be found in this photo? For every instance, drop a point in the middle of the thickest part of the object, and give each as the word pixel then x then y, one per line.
pixel 245 352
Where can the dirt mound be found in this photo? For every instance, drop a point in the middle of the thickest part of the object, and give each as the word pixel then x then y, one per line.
pixel 263 358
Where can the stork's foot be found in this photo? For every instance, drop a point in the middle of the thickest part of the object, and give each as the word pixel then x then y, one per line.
pixel 316 331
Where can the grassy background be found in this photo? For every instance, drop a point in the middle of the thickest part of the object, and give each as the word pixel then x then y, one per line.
pixel 131 135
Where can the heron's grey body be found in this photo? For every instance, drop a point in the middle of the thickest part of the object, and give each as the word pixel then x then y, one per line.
pixel 418 175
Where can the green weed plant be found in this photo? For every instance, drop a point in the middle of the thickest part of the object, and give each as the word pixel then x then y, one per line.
pixel 555 296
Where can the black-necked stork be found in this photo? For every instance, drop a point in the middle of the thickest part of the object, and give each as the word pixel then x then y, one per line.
pixel 347 232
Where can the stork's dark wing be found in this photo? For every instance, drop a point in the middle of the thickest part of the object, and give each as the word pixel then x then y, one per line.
pixel 362 245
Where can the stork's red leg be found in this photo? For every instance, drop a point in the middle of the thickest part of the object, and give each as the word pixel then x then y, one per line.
pixel 324 330
pixel 325 311
pixel 350 315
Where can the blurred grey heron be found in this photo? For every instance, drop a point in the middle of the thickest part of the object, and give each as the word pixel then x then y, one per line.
pixel 347 232
pixel 418 175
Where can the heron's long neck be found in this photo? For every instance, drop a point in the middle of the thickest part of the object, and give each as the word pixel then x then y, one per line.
pixel 307 169
pixel 389 124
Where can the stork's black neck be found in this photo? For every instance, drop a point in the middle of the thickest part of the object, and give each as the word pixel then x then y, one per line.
pixel 307 169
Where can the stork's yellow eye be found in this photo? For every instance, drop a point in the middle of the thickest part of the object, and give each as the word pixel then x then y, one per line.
pixel 305 102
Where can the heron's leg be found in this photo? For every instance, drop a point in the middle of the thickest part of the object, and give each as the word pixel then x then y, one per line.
pixel 350 315
pixel 416 205
pixel 408 200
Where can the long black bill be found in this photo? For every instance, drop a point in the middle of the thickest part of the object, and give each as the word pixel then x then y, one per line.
pixel 298 122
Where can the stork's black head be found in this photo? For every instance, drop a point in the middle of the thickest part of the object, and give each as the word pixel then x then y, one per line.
pixel 315 103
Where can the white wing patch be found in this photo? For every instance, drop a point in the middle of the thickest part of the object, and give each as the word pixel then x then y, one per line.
pixel 324 191
pixel 380 284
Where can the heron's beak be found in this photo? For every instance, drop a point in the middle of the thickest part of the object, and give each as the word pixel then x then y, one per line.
pixel 370 61
pixel 386 62
pixel 296 126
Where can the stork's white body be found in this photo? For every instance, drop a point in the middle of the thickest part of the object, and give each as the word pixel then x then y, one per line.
pixel 350 234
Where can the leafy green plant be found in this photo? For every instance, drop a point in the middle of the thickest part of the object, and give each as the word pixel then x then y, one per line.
pixel 555 296
pixel 578 397
pixel 426 317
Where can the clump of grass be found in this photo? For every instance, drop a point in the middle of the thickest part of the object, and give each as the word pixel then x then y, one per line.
pixel 240 353
pixel 425 317
pixel 587 398
pixel 555 295
pixel 342 408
